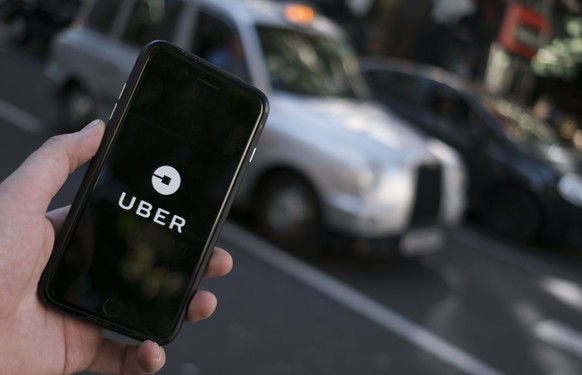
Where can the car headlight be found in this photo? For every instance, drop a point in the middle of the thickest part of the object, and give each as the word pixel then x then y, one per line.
pixel 367 181
pixel 570 187
pixel 370 178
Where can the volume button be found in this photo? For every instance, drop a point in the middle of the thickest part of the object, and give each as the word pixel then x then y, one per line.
pixel 114 107
pixel 122 90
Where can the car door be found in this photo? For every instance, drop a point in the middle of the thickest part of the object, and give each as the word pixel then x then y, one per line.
pixel 455 121
pixel 116 31
pixel 103 58
pixel 144 21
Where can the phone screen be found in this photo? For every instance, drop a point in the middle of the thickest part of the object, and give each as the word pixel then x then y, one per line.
pixel 149 214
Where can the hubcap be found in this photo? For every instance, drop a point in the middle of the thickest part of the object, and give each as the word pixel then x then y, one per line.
pixel 288 211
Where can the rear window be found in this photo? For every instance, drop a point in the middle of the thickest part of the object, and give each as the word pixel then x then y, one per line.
pixel 152 20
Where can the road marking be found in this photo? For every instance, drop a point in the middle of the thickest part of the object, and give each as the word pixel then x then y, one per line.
pixel 359 303
pixel 554 280
pixel 564 290
pixel 189 369
pixel 560 335
pixel 20 118
pixel 497 249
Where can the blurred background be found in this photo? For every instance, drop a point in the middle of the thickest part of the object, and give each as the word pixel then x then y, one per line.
pixel 415 203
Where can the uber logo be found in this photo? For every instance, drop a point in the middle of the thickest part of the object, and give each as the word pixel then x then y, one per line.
pixel 146 210
pixel 166 180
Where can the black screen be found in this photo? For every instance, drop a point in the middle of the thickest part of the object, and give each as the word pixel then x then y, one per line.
pixel 146 224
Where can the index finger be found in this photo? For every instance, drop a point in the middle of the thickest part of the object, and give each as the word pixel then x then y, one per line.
pixel 44 172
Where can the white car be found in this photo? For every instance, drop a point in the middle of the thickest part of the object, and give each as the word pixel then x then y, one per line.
pixel 330 164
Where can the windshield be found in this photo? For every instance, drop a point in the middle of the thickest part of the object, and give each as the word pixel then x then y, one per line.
pixel 521 127
pixel 309 64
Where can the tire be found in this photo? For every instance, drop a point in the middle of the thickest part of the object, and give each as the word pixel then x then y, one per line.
pixel 78 108
pixel 514 214
pixel 287 214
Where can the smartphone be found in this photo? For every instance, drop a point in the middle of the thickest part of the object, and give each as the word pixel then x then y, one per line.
pixel 147 214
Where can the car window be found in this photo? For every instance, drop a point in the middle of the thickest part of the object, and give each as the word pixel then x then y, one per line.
pixel 219 43
pixel 520 126
pixel 397 86
pixel 152 20
pixel 450 109
pixel 102 15
pixel 303 63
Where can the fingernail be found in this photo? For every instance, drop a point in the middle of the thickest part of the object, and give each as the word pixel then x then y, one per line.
pixel 92 124
pixel 159 356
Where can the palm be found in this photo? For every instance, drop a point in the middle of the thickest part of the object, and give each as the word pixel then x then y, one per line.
pixel 47 335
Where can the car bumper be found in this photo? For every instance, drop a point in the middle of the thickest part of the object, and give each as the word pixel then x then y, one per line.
pixel 410 243
pixel 412 219
pixel 355 217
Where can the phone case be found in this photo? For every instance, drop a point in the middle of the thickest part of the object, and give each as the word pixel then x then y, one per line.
pixel 92 175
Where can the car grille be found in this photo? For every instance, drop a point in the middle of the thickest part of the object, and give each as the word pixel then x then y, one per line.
pixel 428 195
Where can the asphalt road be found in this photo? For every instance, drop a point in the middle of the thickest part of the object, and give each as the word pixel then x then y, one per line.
pixel 481 306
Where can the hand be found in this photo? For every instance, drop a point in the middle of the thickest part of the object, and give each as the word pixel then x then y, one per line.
pixel 37 340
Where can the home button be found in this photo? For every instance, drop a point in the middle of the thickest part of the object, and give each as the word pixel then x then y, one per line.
pixel 112 307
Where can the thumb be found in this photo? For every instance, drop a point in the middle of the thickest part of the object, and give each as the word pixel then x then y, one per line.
pixel 116 358
pixel 43 173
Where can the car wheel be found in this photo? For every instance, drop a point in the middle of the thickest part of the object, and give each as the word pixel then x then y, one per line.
pixel 77 108
pixel 514 214
pixel 287 213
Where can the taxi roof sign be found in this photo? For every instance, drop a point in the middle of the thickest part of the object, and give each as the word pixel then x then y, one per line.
pixel 299 13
